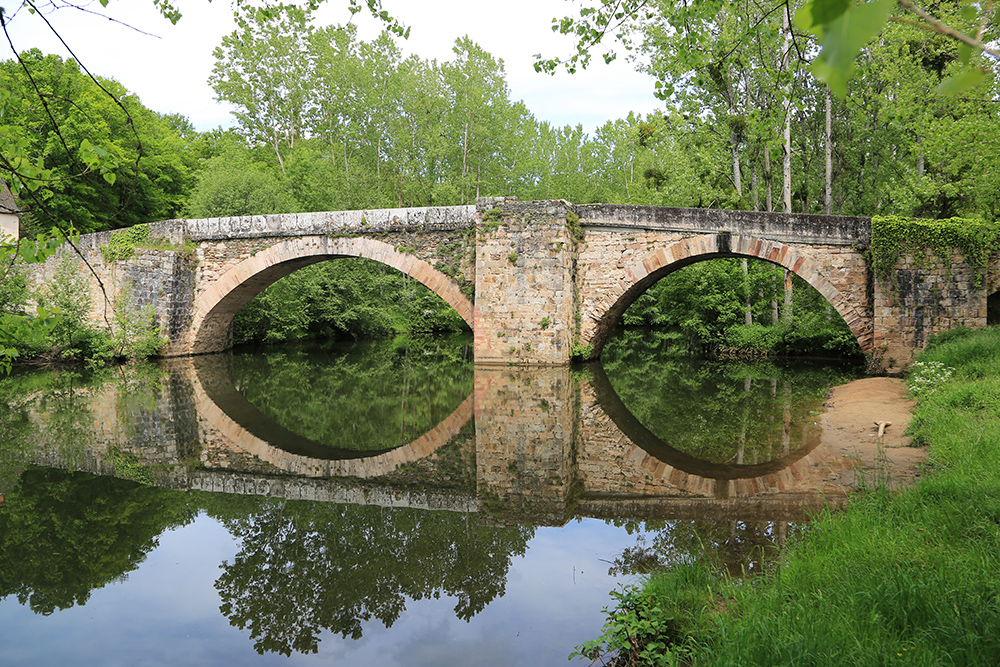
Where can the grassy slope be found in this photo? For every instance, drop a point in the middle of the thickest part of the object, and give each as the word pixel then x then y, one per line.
pixel 896 578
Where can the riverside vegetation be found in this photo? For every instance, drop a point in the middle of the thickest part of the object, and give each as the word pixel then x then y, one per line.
pixel 895 577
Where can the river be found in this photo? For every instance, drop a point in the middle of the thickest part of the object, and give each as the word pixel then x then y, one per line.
pixel 388 503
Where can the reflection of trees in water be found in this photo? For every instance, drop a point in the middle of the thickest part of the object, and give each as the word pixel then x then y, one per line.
pixel 739 548
pixel 64 534
pixel 62 408
pixel 303 567
pixel 720 412
pixel 307 567
pixel 363 397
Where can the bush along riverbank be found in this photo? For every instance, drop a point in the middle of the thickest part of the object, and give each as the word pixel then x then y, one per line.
pixel 895 577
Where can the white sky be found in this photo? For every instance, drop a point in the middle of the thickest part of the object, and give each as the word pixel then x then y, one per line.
pixel 169 70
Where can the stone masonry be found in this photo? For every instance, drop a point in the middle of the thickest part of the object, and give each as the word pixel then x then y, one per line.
pixel 538 282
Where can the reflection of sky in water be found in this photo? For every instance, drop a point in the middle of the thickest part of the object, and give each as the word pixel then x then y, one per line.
pixel 167 612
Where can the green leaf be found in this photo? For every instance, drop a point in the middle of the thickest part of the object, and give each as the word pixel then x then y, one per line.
pixel 844 37
pixel 960 82
pixel 820 12
pixel 964 53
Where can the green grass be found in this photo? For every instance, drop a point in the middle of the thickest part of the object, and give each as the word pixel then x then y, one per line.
pixel 895 578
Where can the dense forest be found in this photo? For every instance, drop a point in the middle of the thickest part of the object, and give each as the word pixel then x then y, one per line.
pixel 328 121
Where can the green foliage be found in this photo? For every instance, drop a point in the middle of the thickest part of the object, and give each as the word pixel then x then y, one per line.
pixel 60 328
pixel 14 288
pixel 64 534
pixel 354 564
pixel 844 29
pixel 718 411
pixel 638 631
pixel 916 152
pixel 85 152
pixel 573 225
pixel 21 333
pixel 842 32
pixel 492 215
pixel 353 298
pixel 704 305
pixel 123 243
pixel 750 340
pixel 366 397
pixel 233 184
pixel 944 337
pixel 317 101
pixel 893 237
pixel 134 334
pixel 67 295
pixel 128 466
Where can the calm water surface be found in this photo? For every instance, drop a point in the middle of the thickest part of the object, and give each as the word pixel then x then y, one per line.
pixel 384 504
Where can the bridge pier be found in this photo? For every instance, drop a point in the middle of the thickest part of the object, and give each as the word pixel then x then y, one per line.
pixel 525 309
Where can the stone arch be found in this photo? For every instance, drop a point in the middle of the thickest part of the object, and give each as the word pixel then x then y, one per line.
pixel 640 274
pixel 214 308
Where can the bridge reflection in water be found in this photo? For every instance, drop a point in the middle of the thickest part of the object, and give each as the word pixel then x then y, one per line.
pixel 529 444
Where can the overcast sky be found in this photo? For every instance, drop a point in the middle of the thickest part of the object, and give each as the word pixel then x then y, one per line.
pixel 169 67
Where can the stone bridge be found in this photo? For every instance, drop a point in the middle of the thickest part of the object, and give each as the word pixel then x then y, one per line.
pixel 538 282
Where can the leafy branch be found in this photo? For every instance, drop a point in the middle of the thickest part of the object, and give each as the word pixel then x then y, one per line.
pixel 842 28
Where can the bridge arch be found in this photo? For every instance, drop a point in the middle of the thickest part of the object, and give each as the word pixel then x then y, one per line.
pixel 640 274
pixel 214 308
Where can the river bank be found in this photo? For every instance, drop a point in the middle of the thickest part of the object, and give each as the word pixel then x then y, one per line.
pixel 850 430
pixel 902 574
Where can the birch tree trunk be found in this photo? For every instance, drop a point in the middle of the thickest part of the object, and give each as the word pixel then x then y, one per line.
pixel 787 306
pixel 747 311
pixel 786 183
pixel 828 192
pixel 768 204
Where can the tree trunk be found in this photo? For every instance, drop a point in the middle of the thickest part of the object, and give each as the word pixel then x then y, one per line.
pixel 735 147
pixel 828 192
pixel 774 304
pixel 786 184
pixel 767 178
pixel 747 311
pixel 920 158
pixel 787 308
pixel 275 144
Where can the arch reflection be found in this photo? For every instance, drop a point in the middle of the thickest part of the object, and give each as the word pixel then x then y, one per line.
pixel 226 411
pixel 642 436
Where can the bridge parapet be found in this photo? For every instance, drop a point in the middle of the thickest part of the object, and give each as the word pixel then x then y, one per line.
pixel 332 223
pixel 785 227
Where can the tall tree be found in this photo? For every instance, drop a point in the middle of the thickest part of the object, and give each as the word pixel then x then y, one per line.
pixel 79 127
pixel 263 70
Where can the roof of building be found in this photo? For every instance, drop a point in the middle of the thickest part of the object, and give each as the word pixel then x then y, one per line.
pixel 7 203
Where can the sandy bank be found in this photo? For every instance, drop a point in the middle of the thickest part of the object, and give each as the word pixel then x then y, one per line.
pixel 850 431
